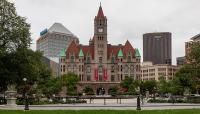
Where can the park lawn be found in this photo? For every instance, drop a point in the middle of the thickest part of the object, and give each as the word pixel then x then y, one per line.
pixel 177 111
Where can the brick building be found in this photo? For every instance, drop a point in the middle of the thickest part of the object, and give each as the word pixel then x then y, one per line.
pixel 99 64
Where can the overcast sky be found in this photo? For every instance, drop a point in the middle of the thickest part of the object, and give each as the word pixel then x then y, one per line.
pixel 127 19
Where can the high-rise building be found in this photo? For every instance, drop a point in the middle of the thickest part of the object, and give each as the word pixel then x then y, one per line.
pixel 180 61
pixel 194 40
pixel 99 64
pixel 53 65
pixel 157 47
pixel 54 39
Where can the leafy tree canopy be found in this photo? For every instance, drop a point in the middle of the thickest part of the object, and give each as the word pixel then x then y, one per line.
pixel 14 31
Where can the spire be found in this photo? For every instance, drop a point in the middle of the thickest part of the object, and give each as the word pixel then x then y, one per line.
pixel 137 53
pixel 120 54
pixel 100 12
pixel 81 53
pixel 62 53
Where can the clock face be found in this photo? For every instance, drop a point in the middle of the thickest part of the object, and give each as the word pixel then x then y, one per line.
pixel 100 29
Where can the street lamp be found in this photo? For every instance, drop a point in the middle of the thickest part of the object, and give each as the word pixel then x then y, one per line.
pixel 138 100
pixel 25 95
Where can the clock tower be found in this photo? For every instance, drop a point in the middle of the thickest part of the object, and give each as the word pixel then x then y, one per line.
pixel 100 37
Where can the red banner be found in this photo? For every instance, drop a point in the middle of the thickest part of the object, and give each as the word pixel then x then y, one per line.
pixel 105 75
pixel 96 74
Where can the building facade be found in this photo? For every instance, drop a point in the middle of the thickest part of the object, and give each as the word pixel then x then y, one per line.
pixel 99 64
pixel 154 72
pixel 53 65
pixel 180 61
pixel 157 48
pixel 54 39
pixel 194 40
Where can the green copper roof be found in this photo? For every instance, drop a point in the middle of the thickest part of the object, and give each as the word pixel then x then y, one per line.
pixel 62 53
pixel 137 53
pixel 120 54
pixel 81 53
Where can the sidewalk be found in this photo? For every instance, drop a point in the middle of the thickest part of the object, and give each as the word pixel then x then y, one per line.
pixel 98 106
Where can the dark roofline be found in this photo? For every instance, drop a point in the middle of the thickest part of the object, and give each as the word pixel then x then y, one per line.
pixel 195 37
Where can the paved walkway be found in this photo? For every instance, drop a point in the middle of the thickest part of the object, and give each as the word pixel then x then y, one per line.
pixel 111 104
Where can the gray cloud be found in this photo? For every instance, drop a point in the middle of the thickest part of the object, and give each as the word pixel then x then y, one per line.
pixel 127 19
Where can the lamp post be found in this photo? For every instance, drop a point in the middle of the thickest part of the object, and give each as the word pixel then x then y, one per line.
pixel 25 95
pixel 138 100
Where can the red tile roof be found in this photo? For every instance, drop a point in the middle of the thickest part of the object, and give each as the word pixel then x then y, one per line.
pixel 111 49
pixel 72 49
pixel 127 48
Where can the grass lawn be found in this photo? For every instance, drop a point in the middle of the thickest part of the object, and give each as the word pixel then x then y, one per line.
pixel 181 111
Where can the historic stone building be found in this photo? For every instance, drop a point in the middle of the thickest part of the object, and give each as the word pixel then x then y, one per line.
pixel 99 64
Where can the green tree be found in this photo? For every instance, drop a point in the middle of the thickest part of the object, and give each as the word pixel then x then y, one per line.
pixel 113 90
pixel 14 34
pixel 13 28
pixel 88 90
pixel 17 61
pixel 50 87
pixel 184 80
pixel 150 85
pixel 70 80
pixel 126 82
pixel 22 63
pixel 163 86
pixel 130 85
pixel 132 89
pixel 194 55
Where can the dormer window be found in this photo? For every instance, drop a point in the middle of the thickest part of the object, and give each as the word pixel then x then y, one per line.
pixel 129 57
pixel 88 59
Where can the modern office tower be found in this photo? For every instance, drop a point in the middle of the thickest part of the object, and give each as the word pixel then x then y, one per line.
pixel 53 65
pixel 157 47
pixel 54 39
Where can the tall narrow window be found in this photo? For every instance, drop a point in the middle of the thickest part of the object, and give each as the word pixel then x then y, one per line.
pixel 100 77
pixel 112 68
pixel 88 77
pixel 112 78
pixel 126 68
pixel 88 69
pixel 129 58
pixel 72 59
pixel 88 59
pixel 100 69
pixel 113 60
pixel 100 59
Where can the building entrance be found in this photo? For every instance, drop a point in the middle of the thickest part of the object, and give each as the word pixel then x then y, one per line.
pixel 100 91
